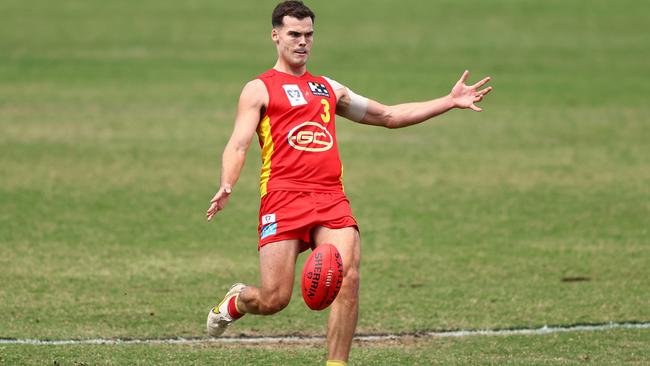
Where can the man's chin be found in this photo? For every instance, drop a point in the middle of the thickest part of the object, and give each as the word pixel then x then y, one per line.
pixel 299 62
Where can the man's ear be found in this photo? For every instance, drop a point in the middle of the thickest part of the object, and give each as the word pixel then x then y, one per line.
pixel 275 35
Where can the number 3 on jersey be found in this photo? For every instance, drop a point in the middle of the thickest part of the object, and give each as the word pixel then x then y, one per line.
pixel 326 108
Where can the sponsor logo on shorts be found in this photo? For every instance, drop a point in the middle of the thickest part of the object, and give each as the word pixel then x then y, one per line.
pixel 318 89
pixel 269 230
pixel 267 219
pixel 294 94
pixel 310 136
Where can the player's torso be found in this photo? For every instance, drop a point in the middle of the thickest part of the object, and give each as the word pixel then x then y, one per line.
pixel 298 136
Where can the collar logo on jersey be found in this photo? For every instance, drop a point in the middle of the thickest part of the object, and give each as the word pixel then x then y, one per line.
pixel 318 89
pixel 310 136
pixel 294 94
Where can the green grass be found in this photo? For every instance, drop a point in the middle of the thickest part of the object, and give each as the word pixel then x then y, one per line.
pixel 112 121
pixel 614 347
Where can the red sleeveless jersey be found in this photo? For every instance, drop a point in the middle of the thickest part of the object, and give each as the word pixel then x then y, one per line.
pixel 297 135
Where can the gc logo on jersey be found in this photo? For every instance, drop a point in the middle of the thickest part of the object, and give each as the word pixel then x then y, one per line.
pixel 294 94
pixel 318 89
pixel 310 136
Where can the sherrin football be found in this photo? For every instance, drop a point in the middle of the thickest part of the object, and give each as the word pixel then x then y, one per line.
pixel 322 277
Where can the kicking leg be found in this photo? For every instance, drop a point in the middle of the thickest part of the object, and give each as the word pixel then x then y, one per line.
pixel 345 309
pixel 277 270
pixel 277 264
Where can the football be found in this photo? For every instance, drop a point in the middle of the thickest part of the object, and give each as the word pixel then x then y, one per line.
pixel 322 277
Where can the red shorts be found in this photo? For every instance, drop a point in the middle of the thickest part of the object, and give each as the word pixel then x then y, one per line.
pixel 288 215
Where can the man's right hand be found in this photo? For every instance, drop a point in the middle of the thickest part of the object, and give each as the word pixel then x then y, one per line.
pixel 218 202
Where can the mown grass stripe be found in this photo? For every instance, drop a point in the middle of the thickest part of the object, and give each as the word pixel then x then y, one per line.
pixel 362 337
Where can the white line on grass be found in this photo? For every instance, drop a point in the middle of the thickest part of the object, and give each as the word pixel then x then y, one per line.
pixel 368 337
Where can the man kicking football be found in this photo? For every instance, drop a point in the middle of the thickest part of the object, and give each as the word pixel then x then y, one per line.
pixel 303 204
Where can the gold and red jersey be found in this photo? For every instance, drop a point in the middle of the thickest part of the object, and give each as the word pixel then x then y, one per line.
pixel 298 136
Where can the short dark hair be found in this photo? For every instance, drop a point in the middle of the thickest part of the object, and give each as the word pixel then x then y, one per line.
pixel 295 9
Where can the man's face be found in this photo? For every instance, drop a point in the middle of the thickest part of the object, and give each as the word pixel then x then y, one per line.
pixel 294 39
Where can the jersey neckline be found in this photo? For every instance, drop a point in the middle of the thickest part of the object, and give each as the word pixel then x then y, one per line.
pixel 305 74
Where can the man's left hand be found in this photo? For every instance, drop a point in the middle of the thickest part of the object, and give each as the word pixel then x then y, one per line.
pixel 465 96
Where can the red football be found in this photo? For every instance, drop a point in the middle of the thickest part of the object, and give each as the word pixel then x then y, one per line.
pixel 322 277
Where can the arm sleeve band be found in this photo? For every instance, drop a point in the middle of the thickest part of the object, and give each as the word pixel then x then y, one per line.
pixel 358 104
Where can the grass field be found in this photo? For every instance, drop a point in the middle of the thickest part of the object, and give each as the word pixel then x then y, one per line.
pixel 591 348
pixel 113 116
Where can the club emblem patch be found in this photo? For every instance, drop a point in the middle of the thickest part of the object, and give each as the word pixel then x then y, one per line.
pixel 268 219
pixel 318 89
pixel 294 94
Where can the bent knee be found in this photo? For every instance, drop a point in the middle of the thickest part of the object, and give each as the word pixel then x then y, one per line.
pixel 275 303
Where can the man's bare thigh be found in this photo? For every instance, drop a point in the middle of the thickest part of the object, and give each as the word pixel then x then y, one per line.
pixel 278 263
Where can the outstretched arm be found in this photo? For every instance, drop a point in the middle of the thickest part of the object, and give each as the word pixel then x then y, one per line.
pixel 402 115
pixel 251 101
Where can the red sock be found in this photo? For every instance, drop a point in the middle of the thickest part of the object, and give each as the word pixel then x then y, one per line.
pixel 232 308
